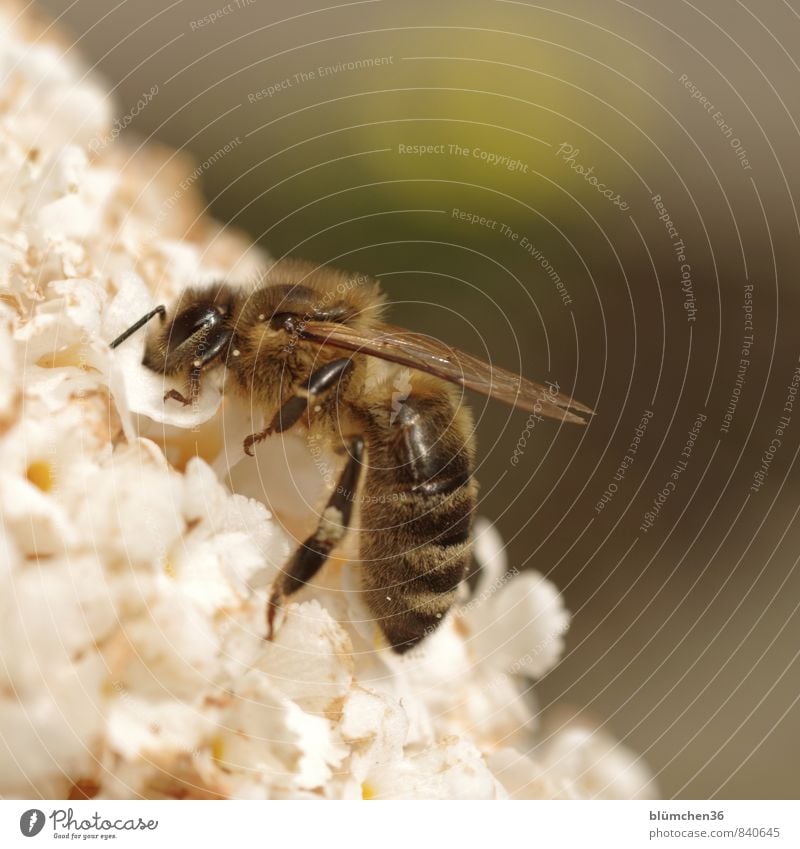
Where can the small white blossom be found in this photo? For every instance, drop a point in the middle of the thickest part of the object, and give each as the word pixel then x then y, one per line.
pixel 452 769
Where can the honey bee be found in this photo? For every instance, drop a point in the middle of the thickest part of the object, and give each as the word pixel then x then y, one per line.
pixel 308 345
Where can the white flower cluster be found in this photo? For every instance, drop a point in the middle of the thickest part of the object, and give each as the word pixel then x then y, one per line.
pixel 132 653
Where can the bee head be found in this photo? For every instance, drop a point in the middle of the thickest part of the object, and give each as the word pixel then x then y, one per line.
pixel 196 335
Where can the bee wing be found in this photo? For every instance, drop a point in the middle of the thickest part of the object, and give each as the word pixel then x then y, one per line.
pixel 416 351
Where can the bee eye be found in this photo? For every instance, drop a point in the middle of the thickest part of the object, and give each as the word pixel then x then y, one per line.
pixel 191 321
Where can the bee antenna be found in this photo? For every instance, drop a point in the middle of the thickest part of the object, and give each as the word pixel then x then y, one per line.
pixel 160 310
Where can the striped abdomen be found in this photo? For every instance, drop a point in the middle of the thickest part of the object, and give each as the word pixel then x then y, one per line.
pixel 416 510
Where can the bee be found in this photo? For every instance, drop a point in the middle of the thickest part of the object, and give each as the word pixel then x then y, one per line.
pixel 308 345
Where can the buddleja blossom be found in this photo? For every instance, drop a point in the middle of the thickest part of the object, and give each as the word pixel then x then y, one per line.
pixel 138 548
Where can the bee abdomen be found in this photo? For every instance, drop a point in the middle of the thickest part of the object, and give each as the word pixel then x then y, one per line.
pixel 410 595
pixel 413 565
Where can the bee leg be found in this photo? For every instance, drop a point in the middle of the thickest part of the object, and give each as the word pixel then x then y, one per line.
pixel 174 395
pixel 194 389
pixel 333 525
pixel 322 380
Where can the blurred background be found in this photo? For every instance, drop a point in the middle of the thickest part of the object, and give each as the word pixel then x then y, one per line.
pixel 598 193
